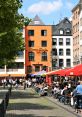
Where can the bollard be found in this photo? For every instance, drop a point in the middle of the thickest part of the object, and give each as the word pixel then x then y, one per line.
pixel 2 110
pixel 4 103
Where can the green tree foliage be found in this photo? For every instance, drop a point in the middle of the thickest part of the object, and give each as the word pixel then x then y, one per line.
pixel 11 22
pixel 27 21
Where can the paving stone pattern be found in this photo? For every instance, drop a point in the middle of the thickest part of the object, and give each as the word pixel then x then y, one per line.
pixel 26 103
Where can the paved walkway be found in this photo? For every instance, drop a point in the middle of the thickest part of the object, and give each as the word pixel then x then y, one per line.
pixel 26 103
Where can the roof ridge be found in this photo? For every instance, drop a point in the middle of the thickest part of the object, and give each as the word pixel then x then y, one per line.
pixel 36 21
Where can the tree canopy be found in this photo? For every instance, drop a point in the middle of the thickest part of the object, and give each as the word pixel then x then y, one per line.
pixel 27 21
pixel 11 22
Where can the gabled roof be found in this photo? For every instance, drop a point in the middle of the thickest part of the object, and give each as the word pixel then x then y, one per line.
pixel 64 24
pixel 78 5
pixel 36 21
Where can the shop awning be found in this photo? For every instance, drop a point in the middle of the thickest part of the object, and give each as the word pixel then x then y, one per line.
pixel 75 71
pixel 80 72
pixel 39 73
pixel 17 75
pixel 4 75
pixel 60 72
pixel 50 73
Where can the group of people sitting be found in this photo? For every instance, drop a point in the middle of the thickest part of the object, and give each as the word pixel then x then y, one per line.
pixel 70 95
pixel 65 93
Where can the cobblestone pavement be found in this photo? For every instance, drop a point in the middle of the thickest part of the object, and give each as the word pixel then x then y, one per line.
pixel 26 103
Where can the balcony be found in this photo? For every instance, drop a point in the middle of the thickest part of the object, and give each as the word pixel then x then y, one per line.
pixel 12 70
pixel 2 70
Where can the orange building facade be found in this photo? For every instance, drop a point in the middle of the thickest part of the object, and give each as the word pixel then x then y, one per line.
pixel 38 45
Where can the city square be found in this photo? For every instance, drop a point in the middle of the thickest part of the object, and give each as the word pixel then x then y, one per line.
pixel 40 58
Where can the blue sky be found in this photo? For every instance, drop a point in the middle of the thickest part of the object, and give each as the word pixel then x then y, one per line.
pixel 50 11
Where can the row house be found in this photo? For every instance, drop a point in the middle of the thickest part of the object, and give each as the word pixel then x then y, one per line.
pixel 62 52
pixel 38 44
pixel 48 46
pixel 77 33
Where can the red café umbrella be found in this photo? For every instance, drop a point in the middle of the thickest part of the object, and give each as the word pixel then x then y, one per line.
pixel 80 72
pixel 75 71
pixel 60 72
pixel 71 72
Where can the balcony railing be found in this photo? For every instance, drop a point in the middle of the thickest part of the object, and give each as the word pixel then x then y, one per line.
pixel 20 57
pixel 2 70
pixel 12 70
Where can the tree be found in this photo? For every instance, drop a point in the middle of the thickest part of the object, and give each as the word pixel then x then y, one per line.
pixel 27 21
pixel 11 22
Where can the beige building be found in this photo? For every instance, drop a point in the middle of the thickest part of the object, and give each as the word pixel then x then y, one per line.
pixel 77 33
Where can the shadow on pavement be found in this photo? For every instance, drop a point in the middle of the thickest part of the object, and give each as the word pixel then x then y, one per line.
pixel 29 115
pixel 22 106
pixel 2 94
pixel 18 94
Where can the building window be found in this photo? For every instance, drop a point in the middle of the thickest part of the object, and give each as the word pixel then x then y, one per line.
pixel 60 52
pixel 44 56
pixel 20 53
pixel 15 65
pixel 54 63
pixel 44 43
pixel 68 31
pixel 21 30
pixel 30 32
pixel 31 43
pixel 60 62
pixel 54 52
pixel 54 41
pixel 61 32
pixel 44 68
pixel 68 62
pixel 43 32
pixel 37 68
pixel 36 22
pixel 29 69
pixel 12 65
pixel 67 51
pixel 60 41
pixel 20 65
pixel 2 66
pixel 67 41
pixel 31 56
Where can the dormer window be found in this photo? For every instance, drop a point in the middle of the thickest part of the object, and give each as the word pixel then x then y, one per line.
pixel 68 31
pixel 61 32
pixel 36 22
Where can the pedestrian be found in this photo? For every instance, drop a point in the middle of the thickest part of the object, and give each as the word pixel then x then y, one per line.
pixel 77 93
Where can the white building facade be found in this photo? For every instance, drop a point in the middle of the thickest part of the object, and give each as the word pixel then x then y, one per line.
pixel 17 68
pixel 62 45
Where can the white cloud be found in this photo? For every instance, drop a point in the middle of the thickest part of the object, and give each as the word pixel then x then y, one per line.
pixel 45 7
